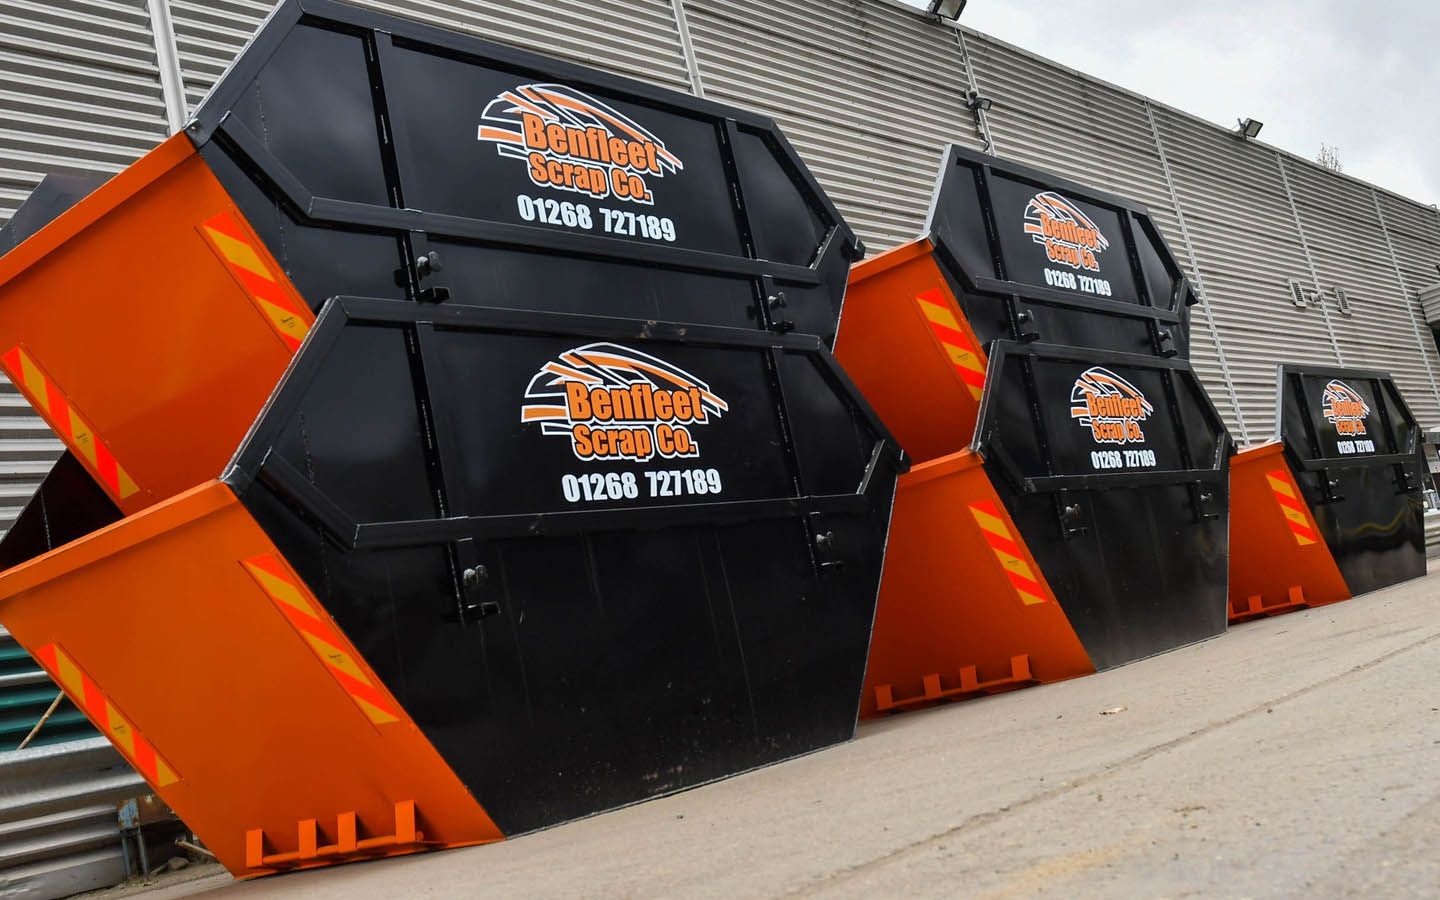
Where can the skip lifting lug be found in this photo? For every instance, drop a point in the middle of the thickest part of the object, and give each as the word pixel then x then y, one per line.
pixel 775 302
pixel 472 581
pixel 825 547
pixel 1167 344
pixel 1403 479
pixel 427 264
pixel 1025 326
pixel 1205 497
pixel 1072 517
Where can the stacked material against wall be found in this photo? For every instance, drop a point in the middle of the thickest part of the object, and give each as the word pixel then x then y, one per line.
pixel 427 528
pixel 1067 511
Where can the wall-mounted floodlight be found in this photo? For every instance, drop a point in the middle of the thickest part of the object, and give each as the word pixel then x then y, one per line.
pixel 976 102
pixel 947 9
pixel 1249 129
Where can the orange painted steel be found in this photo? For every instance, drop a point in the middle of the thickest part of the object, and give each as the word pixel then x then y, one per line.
pixel 908 347
pixel 1278 559
pixel 256 720
pixel 149 365
pixel 964 609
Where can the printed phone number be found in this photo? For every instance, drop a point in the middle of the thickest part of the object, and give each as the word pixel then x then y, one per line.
pixel 1122 459
pixel 1348 447
pixel 1084 283
pixel 619 222
pixel 594 487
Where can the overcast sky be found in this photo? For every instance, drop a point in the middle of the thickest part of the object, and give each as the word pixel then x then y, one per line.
pixel 1363 77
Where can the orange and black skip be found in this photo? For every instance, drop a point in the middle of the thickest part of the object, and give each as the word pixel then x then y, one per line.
pixel 475 528
pixel 1332 507
pixel 1005 322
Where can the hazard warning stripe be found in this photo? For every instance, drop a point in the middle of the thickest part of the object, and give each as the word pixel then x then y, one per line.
pixel 1008 552
pixel 322 637
pixel 87 695
pixel 285 312
pixel 958 346
pixel 1293 508
pixel 72 427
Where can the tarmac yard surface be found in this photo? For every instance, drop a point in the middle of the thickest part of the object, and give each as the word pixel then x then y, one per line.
pixel 1296 756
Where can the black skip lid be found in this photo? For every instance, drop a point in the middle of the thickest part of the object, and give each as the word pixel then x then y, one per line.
pixel 978 257
pixel 999 411
pixel 1300 423
pixel 214 118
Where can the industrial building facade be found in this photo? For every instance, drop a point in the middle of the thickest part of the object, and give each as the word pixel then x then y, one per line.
pixel 1292 262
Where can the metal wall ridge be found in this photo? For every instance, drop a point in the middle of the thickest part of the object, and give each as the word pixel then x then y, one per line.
pixel 59 828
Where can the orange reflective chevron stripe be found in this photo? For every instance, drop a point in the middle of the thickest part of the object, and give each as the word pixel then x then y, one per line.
pixel 1287 495
pixel 270 293
pixel 1008 552
pixel 324 640
pixel 86 694
pixel 959 347
pixel 67 421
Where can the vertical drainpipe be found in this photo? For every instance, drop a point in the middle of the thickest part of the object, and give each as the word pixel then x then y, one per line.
pixel 1199 279
pixel 687 48
pixel 1405 295
pixel 1309 260
pixel 982 119
pixel 167 58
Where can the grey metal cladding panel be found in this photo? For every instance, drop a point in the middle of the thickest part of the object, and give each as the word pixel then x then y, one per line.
pixel 208 35
pixel 637 38
pixel 1050 117
pixel 869 94
pixel 78 90
pixel 1350 251
pixel 28 448
pixel 1415 230
pixel 1245 239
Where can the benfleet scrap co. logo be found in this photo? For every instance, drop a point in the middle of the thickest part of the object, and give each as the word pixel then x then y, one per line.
pixel 1344 408
pixel 1111 407
pixel 615 403
pixel 1069 237
pixel 573 142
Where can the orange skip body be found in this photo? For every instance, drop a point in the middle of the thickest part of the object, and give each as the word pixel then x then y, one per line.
pixel 907 345
pixel 254 718
pixel 1278 559
pixel 149 366
pixel 964 608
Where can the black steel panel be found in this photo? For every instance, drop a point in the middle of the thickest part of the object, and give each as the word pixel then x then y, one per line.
pixel 380 157
pixel 55 194
pixel 68 505
pixel 1033 256
pixel 1115 468
pixel 632 623
pixel 1355 449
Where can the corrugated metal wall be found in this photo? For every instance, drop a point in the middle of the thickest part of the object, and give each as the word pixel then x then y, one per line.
pixel 1058 119
pixel 79 92
pixel 638 38
pixel 1244 234
pixel 869 92
pixel 208 35
pixel 845 87
pixel 25 693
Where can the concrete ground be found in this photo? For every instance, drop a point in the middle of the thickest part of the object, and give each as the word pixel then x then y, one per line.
pixel 1295 756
